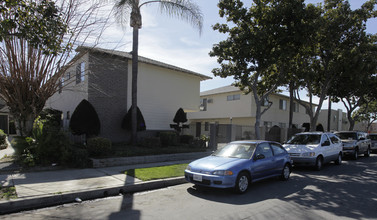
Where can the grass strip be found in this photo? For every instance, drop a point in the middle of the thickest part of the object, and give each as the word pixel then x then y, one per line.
pixel 154 173
pixel 7 192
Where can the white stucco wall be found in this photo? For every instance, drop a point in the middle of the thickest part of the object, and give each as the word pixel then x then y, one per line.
pixel 72 94
pixel 161 92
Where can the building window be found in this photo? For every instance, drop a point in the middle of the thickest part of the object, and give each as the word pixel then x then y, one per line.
pixel 282 125
pixel 233 97
pixel 206 126
pixel 68 76
pixel 203 104
pixel 283 104
pixel 267 124
pixel 80 73
pixel 296 107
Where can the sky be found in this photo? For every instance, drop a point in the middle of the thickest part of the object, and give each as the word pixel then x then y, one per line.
pixel 176 42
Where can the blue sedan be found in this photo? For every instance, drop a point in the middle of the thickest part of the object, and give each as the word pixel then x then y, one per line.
pixel 240 163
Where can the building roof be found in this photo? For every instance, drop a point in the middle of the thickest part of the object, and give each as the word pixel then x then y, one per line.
pixel 224 89
pixel 128 55
pixel 231 88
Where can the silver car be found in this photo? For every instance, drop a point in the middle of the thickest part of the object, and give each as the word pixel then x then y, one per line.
pixel 314 149
pixel 373 146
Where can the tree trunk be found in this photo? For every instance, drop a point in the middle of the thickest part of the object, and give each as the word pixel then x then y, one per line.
pixel 351 121
pixel 24 126
pixel 257 116
pixel 257 123
pixel 135 58
pixel 290 111
pixel 329 116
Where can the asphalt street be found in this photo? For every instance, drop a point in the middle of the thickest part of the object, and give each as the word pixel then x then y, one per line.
pixel 336 192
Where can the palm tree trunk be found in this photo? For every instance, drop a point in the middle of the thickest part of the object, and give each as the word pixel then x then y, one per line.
pixel 135 58
pixel 329 116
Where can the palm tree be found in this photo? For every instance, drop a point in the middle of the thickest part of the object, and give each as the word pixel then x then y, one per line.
pixel 183 9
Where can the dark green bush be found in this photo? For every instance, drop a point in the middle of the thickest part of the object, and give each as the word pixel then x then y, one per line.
pixel 85 120
pixel 151 142
pixel 52 147
pixel 99 146
pixel 169 138
pixel 127 121
pixel 78 157
pixel 186 139
pixel 47 145
pixel 19 145
pixel 3 138
pixel 51 116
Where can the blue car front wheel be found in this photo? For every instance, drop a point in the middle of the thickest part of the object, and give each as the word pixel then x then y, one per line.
pixel 242 182
pixel 286 172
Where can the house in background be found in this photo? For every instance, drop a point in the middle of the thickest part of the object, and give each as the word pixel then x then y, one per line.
pixel 338 120
pixel 103 77
pixel 4 117
pixel 233 113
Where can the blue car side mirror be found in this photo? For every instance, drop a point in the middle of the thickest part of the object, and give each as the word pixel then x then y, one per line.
pixel 259 156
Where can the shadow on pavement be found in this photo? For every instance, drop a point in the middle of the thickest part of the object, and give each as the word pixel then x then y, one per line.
pixel 126 210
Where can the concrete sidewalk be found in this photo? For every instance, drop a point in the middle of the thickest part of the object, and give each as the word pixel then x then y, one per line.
pixel 49 188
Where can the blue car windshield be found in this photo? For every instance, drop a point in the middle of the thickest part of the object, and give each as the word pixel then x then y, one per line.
pixel 304 139
pixel 242 151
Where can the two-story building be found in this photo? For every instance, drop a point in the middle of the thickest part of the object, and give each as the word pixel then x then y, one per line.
pixel 103 77
pixel 230 106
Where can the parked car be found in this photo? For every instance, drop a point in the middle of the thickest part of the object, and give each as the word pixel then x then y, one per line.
pixel 314 149
pixel 373 139
pixel 240 163
pixel 355 143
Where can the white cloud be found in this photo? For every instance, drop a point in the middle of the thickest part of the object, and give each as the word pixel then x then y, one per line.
pixel 189 42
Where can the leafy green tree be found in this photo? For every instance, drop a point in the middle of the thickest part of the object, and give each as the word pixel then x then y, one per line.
pixel 339 31
pixel 39 22
pixel 183 9
pixel 261 42
pixel 356 85
pixel 367 112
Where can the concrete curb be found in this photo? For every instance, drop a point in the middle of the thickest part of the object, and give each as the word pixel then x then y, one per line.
pixel 17 205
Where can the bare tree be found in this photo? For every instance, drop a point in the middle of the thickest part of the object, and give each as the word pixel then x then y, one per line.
pixel 30 74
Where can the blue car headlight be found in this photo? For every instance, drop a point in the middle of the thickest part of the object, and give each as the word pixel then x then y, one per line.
pixel 222 173
pixel 188 168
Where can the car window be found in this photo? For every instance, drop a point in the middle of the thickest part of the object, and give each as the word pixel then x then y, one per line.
pixel 264 148
pixel 277 149
pixel 359 136
pixel 242 151
pixel 373 137
pixel 324 139
pixel 305 139
pixel 334 139
pixel 347 135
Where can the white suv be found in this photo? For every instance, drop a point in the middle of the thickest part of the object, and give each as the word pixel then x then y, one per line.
pixel 314 149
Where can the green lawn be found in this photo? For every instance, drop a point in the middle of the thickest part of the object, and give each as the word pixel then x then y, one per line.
pixel 153 173
pixel 7 193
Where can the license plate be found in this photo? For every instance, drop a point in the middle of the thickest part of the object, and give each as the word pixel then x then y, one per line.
pixel 198 178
